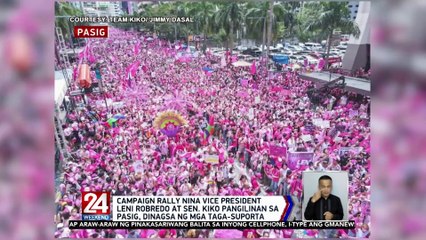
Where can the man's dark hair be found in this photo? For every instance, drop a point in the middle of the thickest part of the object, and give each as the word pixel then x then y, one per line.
pixel 325 177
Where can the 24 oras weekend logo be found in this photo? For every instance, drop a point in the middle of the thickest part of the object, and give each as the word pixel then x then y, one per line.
pixel 96 206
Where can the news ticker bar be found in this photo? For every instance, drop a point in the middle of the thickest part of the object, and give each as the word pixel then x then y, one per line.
pixel 212 225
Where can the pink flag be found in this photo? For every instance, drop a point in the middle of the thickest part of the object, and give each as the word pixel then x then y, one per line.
pixel 223 61
pixel 137 48
pixel 211 120
pixel 321 63
pixel 184 59
pixel 137 147
pixel 83 54
pixel 276 89
pixel 91 58
pixel 277 151
pixel 75 73
pixel 285 92
pixel 131 70
pixel 253 68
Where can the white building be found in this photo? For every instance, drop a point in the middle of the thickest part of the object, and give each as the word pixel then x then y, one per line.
pixel 114 9
pixel 358 49
pixel 353 9
pixel 109 8
pixel 95 9
pixel 91 12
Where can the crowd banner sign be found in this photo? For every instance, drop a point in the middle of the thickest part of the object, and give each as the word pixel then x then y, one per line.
pixel 306 138
pixel 277 151
pixel 242 94
pixel 257 100
pixel 354 150
pixel 244 82
pixel 214 159
pixel 117 105
pixel 138 166
pixel 293 158
pixel 251 113
pixel 321 123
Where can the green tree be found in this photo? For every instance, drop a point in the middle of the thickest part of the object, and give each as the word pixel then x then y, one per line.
pixel 64 10
pixel 332 16
pixel 303 18
pixel 230 18
pixel 170 31
pixel 204 13
pixel 257 18
pixel 290 17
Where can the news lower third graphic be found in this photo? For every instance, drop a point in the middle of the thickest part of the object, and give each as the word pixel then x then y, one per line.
pixel 200 208
pixel 96 206
pixel 212 225
pixel 228 212
pixel 125 19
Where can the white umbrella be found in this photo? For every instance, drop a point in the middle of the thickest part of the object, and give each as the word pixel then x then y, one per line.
pixel 241 63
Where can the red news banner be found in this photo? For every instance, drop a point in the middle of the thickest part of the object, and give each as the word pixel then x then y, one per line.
pixel 202 212
pixel 91 31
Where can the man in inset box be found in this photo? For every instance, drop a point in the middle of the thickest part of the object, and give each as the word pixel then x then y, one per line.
pixel 323 205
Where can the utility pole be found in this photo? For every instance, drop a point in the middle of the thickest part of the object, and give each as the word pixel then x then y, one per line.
pixel 264 35
pixel 271 5
pixel 264 32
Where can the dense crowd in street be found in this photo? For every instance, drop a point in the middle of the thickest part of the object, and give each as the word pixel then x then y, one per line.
pixel 230 112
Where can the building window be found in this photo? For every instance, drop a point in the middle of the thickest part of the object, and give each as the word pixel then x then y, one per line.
pixel 350 6
pixel 357 5
pixel 356 11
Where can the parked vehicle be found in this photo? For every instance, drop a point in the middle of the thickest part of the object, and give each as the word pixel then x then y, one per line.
pixel 255 52
pixel 312 60
pixel 296 59
pixel 313 46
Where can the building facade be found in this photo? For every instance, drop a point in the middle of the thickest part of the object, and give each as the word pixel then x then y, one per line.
pixel 358 51
pixel 353 9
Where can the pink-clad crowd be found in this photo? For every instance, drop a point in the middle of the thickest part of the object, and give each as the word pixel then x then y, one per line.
pixel 231 113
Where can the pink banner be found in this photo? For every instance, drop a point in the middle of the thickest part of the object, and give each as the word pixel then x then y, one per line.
pixel 276 89
pixel 253 68
pixel 277 151
pixel 242 94
pixel 185 59
pixel 132 69
pixel 353 113
pixel 285 92
pixel 234 58
pixel 321 63
pixel 223 61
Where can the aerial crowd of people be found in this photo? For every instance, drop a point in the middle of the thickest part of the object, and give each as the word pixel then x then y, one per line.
pixel 250 120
